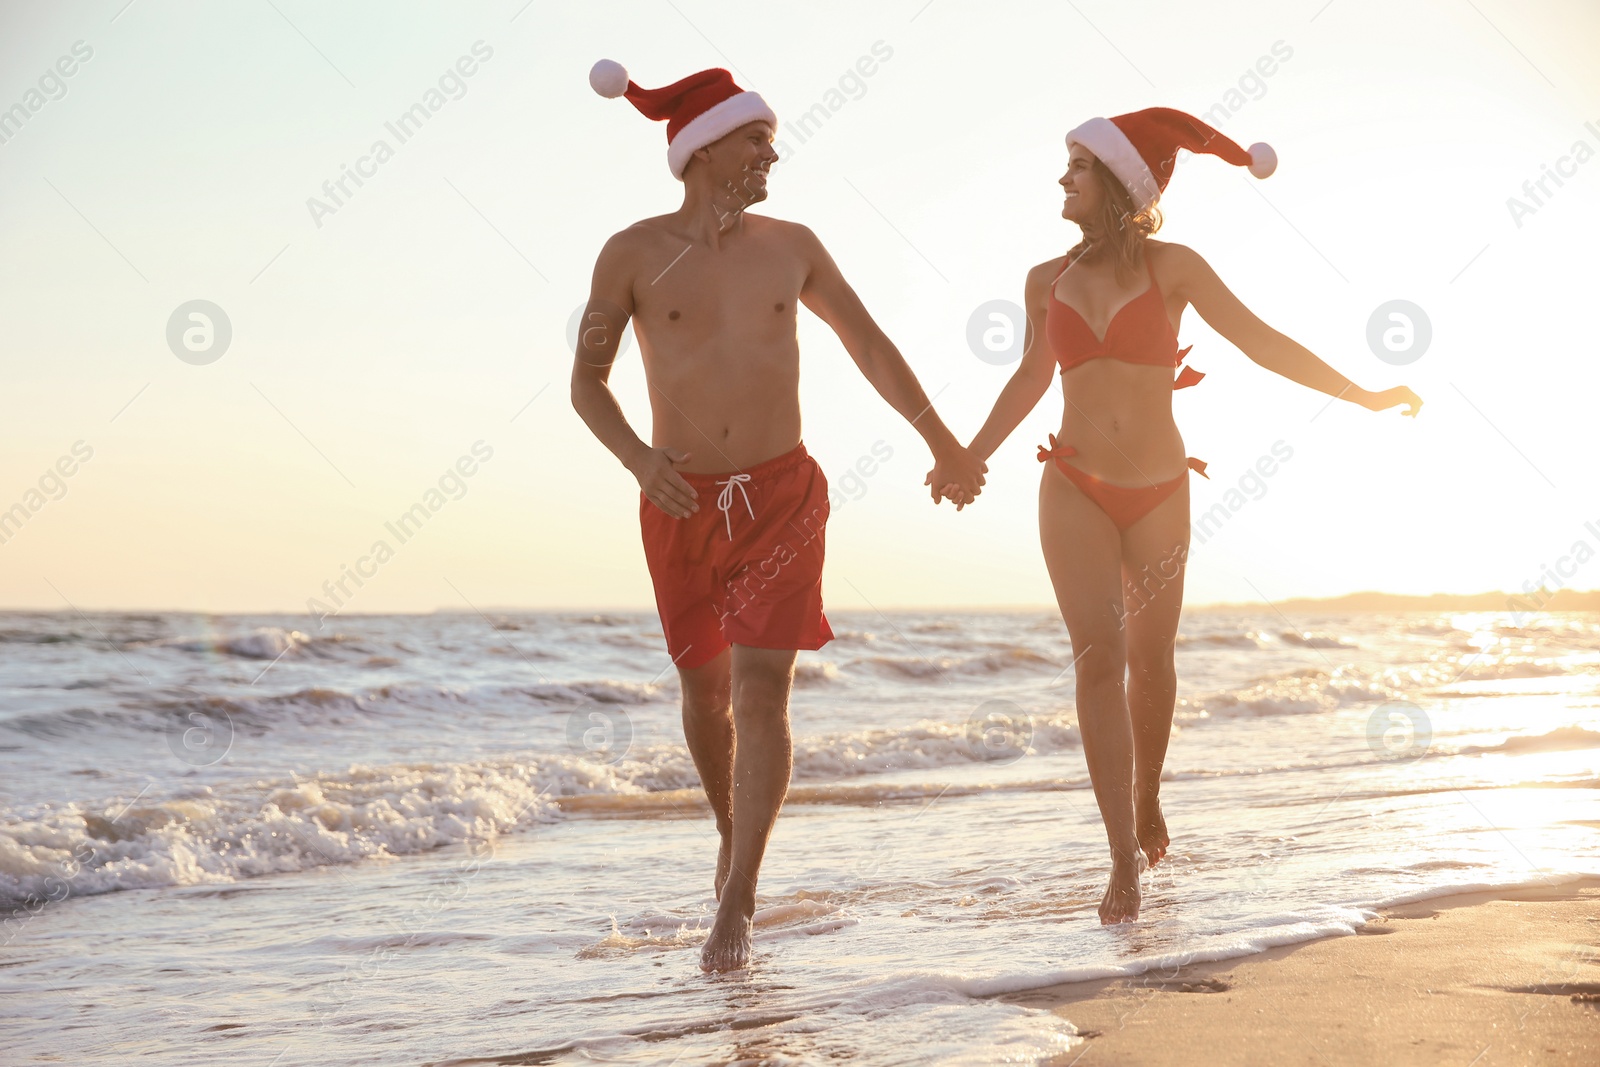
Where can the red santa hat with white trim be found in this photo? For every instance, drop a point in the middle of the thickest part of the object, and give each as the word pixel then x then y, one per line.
pixel 1141 148
pixel 698 110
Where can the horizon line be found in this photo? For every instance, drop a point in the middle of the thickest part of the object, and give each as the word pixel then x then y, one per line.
pixel 1428 601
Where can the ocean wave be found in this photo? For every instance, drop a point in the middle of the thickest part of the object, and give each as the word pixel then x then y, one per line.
pixel 603 619
pixel 326 705
pixel 691 800
pixel 1293 693
pixel 923 745
pixel 932 744
pixel 1425 866
pixel 1009 658
pixel 211 837
pixel 630 639
pixel 35 637
pixel 815 675
pixel 1314 689
pixel 238 832
pixel 1519 667
pixel 1561 739
pixel 315 704
pixel 847 637
pixel 1248 639
pixel 599 691
pixel 264 642
pixel 1312 639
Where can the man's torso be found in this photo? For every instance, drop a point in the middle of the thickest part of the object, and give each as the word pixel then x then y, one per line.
pixel 716 330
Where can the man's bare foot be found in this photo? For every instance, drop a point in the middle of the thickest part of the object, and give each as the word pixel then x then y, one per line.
pixel 1151 829
pixel 1121 902
pixel 728 947
pixel 724 861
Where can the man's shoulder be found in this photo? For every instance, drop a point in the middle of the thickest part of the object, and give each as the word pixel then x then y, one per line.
pixel 779 229
pixel 641 234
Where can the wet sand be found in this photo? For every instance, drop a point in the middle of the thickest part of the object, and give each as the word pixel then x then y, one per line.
pixel 1475 980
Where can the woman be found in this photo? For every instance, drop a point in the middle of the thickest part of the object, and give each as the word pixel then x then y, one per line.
pixel 1114 501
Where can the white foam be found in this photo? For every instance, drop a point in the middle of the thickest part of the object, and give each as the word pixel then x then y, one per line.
pixel 285 825
pixel 264 642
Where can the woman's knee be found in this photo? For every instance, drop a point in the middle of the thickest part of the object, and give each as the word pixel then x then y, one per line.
pixel 1102 662
pixel 1156 666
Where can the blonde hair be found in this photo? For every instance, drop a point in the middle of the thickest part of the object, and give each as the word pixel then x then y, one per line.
pixel 1118 231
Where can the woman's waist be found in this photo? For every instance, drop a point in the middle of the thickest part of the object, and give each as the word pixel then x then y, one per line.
pixel 1127 451
pixel 1130 424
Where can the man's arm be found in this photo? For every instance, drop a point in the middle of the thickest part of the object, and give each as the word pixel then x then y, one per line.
pixel 1265 346
pixel 605 316
pixel 832 300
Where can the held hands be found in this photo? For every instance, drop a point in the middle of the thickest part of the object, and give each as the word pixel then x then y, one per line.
pixel 661 484
pixel 957 475
pixel 1388 398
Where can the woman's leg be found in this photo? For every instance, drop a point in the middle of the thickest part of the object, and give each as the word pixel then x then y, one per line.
pixel 1155 552
pixel 1083 550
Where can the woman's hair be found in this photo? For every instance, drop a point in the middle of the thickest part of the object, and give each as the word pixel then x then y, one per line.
pixel 1118 231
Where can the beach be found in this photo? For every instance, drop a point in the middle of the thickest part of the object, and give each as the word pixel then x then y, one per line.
pixel 463 838
pixel 1509 977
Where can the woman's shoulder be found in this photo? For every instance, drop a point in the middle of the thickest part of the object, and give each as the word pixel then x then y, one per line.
pixel 1164 253
pixel 1048 271
pixel 1174 264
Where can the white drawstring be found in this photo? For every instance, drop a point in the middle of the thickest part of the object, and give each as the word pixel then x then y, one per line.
pixel 725 499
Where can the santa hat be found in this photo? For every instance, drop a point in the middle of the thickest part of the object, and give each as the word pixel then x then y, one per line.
pixel 698 110
pixel 1142 146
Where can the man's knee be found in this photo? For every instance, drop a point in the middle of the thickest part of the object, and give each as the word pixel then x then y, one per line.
pixel 706 689
pixel 762 676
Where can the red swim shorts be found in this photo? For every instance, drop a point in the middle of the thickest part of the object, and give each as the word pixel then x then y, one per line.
pixel 746 568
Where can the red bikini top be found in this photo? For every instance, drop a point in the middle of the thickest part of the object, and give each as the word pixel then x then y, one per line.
pixel 1139 332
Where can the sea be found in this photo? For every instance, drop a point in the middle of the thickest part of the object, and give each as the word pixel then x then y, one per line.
pixel 479 838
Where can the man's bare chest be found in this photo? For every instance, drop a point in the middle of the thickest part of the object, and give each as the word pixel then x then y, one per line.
pixel 719 288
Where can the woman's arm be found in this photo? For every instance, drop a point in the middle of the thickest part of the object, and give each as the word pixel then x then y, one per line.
pixel 1226 314
pixel 1032 376
pixel 1028 383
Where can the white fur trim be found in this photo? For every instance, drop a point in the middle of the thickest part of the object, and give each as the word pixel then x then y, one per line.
pixel 715 123
pixel 1112 147
pixel 608 78
pixel 1263 160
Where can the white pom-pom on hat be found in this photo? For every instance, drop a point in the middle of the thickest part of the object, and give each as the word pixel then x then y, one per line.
pixel 608 78
pixel 1263 160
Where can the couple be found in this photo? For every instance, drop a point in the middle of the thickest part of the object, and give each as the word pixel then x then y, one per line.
pixel 733 509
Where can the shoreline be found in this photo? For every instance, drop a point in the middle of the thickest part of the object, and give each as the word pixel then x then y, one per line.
pixel 1506 976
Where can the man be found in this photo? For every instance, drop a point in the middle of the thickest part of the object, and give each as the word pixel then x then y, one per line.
pixel 732 509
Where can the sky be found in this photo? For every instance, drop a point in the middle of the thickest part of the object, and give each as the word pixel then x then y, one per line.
pixel 384 343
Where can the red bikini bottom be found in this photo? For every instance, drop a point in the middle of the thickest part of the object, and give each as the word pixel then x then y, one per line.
pixel 1123 504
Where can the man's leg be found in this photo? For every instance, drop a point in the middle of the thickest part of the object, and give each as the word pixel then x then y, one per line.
pixel 708 730
pixel 762 762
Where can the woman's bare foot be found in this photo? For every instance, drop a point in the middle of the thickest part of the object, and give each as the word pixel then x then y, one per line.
pixel 1121 902
pixel 1151 829
pixel 728 947
pixel 724 862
